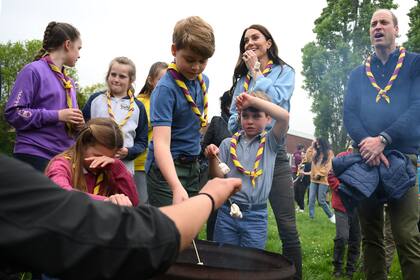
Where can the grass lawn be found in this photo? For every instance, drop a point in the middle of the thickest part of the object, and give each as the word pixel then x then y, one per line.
pixel 317 245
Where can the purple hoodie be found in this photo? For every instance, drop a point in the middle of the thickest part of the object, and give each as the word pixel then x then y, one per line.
pixel 32 109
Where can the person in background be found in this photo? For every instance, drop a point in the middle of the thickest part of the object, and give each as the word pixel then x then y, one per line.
pixel 297 159
pixel 89 165
pixel 216 133
pixel 347 230
pixel 42 106
pixel 303 179
pixel 321 165
pixel 119 104
pixel 70 236
pixel 156 71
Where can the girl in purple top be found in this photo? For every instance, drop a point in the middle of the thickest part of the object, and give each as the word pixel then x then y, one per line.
pixel 42 106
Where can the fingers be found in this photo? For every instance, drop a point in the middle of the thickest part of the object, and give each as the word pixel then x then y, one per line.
pixel 120 199
pixel 384 160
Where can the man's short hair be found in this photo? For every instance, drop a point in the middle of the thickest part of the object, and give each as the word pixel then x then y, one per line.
pixel 195 34
pixel 394 18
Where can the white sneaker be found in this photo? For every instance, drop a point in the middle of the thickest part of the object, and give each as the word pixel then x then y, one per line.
pixel 301 211
pixel 332 219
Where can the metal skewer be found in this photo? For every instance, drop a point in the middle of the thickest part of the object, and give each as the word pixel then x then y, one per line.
pixel 196 252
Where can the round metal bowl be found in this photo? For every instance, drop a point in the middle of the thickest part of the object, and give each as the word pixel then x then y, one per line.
pixel 229 262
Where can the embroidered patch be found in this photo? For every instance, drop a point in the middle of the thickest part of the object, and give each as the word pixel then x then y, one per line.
pixel 24 113
pixel 125 106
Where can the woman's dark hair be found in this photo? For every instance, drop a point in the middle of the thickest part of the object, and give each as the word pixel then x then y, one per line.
pixel 225 101
pixel 322 149
pixel 55 35
pixel 153 73
pixel 272 52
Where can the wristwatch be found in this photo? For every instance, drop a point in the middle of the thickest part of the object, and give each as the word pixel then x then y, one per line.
pixel 383 140
pixel 257 66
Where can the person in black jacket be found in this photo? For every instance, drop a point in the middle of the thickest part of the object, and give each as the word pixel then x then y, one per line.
pixel 215 134
pixel 70 236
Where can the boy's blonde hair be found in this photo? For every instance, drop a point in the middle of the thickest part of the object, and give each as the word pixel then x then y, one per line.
pixel 195 34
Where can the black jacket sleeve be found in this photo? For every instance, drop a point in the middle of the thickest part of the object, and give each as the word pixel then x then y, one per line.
pixel 67 234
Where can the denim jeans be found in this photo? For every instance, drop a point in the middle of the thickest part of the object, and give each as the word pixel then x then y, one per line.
pixel 322 190
pixel 250 231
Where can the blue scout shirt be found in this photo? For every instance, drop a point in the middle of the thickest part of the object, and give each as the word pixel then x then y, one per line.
pixel 278 85
pixel 168 107
pixel 246 152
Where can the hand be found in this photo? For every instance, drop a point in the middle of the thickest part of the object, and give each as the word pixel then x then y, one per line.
pixel 377 161
pixel 211 151
pixel 71 115
pixel 99 162
pixel 243 101
pixel 370 148
pixel 179 195
pixel 122 153
pixel 222 189
pixel 119 199
pixel 78 126
pixel 250 58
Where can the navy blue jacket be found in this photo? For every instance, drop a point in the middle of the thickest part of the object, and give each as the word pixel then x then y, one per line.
pixel 360 181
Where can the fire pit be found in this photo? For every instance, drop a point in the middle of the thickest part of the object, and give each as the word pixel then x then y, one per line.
pixel 229 262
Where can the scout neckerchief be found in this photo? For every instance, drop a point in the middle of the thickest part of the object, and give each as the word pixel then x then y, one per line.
pixel 99 178
pixel 255 172
pixel 130 109
pixel 382 93
pixel 265 72
pixel 179 81
pixel 65 81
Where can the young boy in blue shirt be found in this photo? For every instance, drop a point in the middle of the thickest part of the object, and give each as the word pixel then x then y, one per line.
pixel 250 154
pixel 178 109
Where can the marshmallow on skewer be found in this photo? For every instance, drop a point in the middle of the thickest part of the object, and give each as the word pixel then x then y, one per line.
pixel 235 211
pixel 224 168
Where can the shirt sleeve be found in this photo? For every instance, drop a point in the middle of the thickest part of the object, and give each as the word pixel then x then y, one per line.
pixel 66 234
pixel 280 90
pixel 140 141
pixel 409 120
pixel 224 150
pixel 233 123
pixel 59 172
pixel 124 182
pixel 351 110
pixel 162 106
pixel 20 111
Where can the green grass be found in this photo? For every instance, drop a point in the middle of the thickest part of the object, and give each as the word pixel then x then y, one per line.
pixel 316 238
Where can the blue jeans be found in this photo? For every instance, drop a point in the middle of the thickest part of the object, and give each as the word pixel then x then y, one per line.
pixel 322 190
pixel 250 231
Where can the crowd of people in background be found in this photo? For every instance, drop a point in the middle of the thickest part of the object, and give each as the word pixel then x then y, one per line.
pixel 152 154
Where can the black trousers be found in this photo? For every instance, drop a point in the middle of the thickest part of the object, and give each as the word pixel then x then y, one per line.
pixel 282 203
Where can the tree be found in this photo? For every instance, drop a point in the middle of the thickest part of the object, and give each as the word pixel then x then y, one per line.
pixel 85 92
pixel 413 43
pixel 342 42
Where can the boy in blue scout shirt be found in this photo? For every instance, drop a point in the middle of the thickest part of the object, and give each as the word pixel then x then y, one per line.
pixel 250 154
pixel 178 110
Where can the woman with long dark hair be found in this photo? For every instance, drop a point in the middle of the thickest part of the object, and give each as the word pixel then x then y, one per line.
pixel 321 165
pixel 259 68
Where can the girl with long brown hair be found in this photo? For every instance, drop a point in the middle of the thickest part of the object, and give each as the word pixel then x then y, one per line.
pixel 89 165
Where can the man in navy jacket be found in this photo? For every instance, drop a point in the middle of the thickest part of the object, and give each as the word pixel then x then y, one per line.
pixel 382 112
